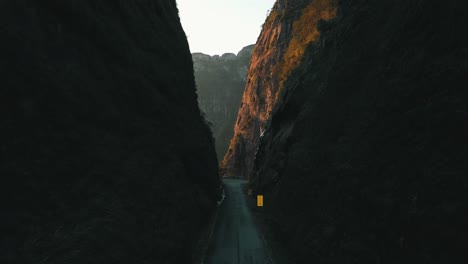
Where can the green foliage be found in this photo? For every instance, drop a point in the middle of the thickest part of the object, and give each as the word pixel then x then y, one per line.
pixel 108 159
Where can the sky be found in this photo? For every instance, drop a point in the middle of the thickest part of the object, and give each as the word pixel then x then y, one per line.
pixel 216 27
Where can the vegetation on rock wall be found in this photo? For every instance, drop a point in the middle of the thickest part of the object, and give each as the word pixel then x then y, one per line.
pixel 305 30
pixel 105 156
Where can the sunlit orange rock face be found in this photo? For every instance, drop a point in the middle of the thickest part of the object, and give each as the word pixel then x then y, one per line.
pixel 290 27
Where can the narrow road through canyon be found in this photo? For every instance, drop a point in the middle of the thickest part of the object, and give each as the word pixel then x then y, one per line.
pixel 235 237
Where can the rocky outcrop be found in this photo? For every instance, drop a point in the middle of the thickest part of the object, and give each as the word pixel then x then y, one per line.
pixel 365 157
pixel 289 28
pixel 105 155
pixel 220 82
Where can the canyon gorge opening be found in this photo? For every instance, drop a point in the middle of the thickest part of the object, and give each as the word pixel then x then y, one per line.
pixel 124 144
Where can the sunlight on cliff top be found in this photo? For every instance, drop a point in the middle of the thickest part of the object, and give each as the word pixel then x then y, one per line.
pixel 305 31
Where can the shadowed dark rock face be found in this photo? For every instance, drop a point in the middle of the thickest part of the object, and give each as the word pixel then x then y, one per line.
pixel 220 82
pixel 105 157
pixel 365 158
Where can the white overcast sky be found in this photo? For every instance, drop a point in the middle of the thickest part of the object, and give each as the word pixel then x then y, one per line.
pixel 220 26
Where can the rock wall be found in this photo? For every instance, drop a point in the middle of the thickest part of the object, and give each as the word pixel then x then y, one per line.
pixel 365 157
pixel 220 83
pixel 105 157
pixel 289 28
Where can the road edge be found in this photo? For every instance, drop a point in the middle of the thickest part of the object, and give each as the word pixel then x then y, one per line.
pixel 205 237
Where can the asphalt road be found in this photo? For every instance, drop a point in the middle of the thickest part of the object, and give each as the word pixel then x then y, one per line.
pixel 235 238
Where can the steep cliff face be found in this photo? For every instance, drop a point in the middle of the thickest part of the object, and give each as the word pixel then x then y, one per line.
pixel 365 158
pixel 289 28
pixel 220 83
pixel 105 156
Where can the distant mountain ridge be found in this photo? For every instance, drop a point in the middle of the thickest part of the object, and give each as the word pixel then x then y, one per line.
pixel 220 83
